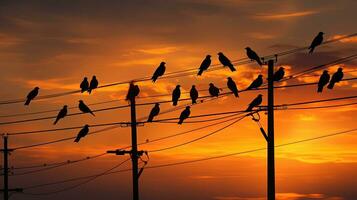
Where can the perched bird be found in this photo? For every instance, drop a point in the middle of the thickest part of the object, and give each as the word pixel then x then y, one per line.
pixel 184 114
pixel 232 86
pixel 84 85
pixel 324 79
pixel 256 102
pixel 93 84
pixel 133 91
pixel 159 71
pixel 84 108
pixel 193 94
pixel 256 83
pixel 31 95
pixel 225 61
pixel 336 77
pixel 62 113
pixel 154 112
pixel 278 75
pixel 316 42
pixel 253 55
pixel 204 65
pixel 213 90
pixel 82 133
pixel 176 95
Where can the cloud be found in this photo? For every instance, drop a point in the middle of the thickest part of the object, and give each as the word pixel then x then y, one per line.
pixel 347 40
pixel 283 196
pixel 159 51
pixel 284 16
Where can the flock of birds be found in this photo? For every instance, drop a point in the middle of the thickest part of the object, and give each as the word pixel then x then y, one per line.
pixel 214 91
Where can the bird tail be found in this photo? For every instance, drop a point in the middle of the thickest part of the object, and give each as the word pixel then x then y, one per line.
pixel 174 103
pixel 180 121
pixel 231 67
pixel 194 101
pixel 77 139
pixel 311 50
pixel 200 72
pixel 320 88
pixel 150 118
pixel 331 85
pixel 250 107
pixel 54 123
pixel 92 113
pixel 236 94
pixel 27 102
pixel 90 90
pixel 259 62
pixel 154 79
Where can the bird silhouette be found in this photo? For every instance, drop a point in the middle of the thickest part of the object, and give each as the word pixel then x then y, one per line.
pixel 82 133
pixel 184 114
pixel 278 75
pixel 256 102
pixel 253 55
pixel 225 61
pixel 62 113
pixel 256 83
pixel 193 94
pixel 159 71
pixel 154 112
pixel 93 84
pixel 133 91
pixel 31 95
pixel 213 90
pixel 336 77
pixel 84 85
pixel 84 108
pixel 176 95
pixel 316 42
pixel 324 79
pixel 204 65
pixel 232 86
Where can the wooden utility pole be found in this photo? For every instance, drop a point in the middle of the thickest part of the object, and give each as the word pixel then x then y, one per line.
pixel 134 150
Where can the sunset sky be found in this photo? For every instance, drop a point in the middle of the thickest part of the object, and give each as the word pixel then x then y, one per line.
pixel 54 44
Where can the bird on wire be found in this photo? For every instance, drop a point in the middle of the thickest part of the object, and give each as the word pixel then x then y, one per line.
pixel 213 90
pixel 184 114
pixel 193 94
pixel 336 77
pixel 84 108
pixel 225 61
pixel 252 55
pixel 93 84
pixel 176 95
pixel 316 42
pixel 31 95
pixel 159 72
pixel 324 79
pixel 154 112
pixel 256 83
pixel 256 102
pixel 278 75
pixel 232 86
pixel 61 114
pixel 84 85
pixel 82 133
pixel 204 65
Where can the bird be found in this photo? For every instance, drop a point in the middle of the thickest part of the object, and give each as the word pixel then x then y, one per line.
pixel 62 113
pixel 93 84
pixel 184 114
pixel 154 112
pixel 84 85
pixel 133 91
pixel 253 55
pixel 316 42
pixel 204 65
pixel 176 95
pixel 256 102
pixel 324 79
pixel 336 77
pixel 232 86
pixel 84 108
pixel 31 95
pixel 82 133
pixel 159 71
pixel 256 83
pixel 225 61
pixel 193 94
pixel 278 75
pixel 213 90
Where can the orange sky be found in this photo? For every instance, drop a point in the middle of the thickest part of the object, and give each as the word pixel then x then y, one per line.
pixel 54 44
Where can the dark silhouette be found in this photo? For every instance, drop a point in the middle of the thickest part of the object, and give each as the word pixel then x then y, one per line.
pixel 184 114
pixel 256 83
pixel 154 112
pixel 253 55
pixel 193 94
pixel 204 65
pixel 82 133
pixel 31 95
pixel 213 90
pixel 84 108
pixel 256 102
pixel 278 75
pixel 336 77
pixel 84 85
pixel 324 79
pixel 62 113
pixel 232 86
pixel 93 84
pixel 316 42
pixel 133 91
pixel 225 61
pixel 176 95
pixel 159 71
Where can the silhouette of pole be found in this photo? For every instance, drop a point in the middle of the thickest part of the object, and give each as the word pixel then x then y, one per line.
pixel 6 169
pixel 270 152
pixel 134 150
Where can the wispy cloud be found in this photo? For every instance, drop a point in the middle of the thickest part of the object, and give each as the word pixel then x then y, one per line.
pixel 283 16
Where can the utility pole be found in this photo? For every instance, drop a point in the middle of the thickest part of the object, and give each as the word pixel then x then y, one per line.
pixel 270 152
pixel 134 149
pixel 6 152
